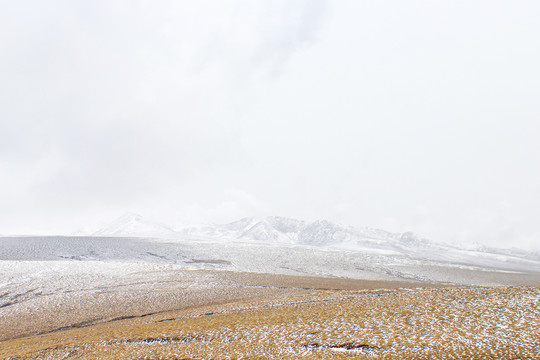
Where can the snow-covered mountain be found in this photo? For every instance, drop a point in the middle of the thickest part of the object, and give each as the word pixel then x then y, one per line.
pixel 322 234
pixel 278 245
pixel 276 229
pixel 270 230
pixel 134 225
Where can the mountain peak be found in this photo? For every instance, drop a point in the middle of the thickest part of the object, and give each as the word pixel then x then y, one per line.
pixel 271 229
pixel 134 225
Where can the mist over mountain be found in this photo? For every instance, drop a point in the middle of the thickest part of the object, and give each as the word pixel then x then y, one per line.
pixel 279 245
pixel 271 229
pixel 322 234
pixel 134 225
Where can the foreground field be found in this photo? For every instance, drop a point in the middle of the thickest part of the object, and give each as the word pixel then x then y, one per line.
pixel 492 323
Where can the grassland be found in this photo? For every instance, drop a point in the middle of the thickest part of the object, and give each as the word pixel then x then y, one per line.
pixel 419 323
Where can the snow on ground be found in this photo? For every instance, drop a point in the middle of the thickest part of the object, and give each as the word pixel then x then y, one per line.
pixel 56 263
pixel 51 279
pixel 479 323
pixel 255 257
pixel 38 272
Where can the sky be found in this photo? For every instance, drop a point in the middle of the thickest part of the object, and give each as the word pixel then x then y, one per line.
pixel 413 115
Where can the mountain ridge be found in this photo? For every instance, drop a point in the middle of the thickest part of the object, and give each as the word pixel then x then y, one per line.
pixel 268 229
pixel 322 234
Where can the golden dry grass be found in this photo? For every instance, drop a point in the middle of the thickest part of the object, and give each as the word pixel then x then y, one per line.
pixel 173 290
pixel 445 323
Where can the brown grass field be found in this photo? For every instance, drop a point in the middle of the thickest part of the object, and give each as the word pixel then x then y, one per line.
pixel 326 322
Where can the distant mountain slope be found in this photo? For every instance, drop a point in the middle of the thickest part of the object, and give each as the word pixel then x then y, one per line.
pixel 323 234
pixel 320 233
pixel 134 225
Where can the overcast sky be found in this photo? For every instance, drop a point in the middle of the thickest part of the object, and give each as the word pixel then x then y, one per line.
pixel 402 115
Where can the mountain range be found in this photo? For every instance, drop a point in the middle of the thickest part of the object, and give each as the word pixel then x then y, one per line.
pixel 279 245
pixel 272 229
pixel 322 234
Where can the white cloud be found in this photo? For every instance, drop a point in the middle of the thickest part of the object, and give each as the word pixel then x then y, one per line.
pixel 406 115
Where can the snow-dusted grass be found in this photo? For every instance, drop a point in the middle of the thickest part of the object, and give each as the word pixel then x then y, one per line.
pixel 491 323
